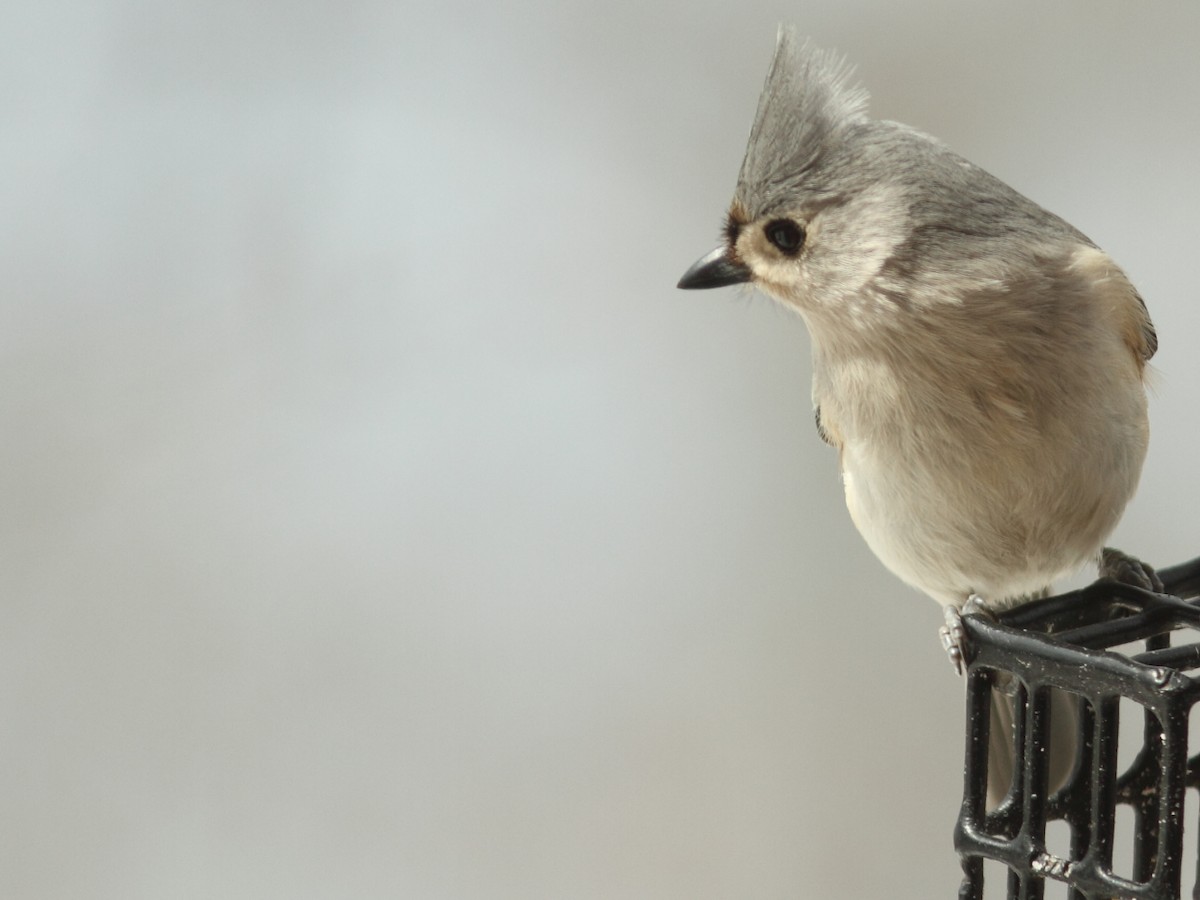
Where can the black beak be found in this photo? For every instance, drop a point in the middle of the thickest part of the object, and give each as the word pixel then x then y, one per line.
pixel 714 270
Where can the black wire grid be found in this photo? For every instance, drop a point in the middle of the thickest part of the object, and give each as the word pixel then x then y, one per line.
pixel 1066 643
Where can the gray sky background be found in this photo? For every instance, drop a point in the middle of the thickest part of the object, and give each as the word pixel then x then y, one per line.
pixel 379 520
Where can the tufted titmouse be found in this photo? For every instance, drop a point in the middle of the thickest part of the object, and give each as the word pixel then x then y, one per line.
pixel 978 363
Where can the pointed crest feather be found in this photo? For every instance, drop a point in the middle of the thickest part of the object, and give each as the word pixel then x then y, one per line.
pixel 807 101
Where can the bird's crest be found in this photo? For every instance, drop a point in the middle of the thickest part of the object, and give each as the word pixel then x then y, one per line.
pixel 807 102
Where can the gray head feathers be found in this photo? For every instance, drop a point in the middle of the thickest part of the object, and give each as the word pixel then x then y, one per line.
pixel 807 103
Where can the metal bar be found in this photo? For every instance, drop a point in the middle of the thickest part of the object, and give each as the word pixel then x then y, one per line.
pixel 1064 643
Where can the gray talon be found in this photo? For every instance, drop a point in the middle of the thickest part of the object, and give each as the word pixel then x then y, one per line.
pixel 954 636
pixel 1126 569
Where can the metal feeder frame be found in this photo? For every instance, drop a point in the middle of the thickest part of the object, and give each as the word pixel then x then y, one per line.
pixel 1067 643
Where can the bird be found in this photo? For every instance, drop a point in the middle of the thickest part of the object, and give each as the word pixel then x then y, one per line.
pixel 979 364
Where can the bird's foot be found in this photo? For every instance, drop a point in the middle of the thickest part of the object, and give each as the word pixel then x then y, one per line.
pixel 1128 569
pixel 954 636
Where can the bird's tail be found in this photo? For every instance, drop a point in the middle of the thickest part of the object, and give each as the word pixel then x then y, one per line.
pixel 1064 737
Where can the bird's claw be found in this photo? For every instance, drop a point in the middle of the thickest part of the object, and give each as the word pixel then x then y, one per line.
pixel 1128 569
pixel 954 636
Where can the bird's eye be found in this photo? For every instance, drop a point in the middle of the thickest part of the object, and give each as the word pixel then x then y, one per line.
pixel 786 235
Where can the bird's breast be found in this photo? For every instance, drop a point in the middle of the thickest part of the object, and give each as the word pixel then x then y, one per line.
pixel 961 489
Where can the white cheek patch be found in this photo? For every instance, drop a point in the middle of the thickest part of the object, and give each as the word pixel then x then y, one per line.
pixel 848 245
pixel 844 249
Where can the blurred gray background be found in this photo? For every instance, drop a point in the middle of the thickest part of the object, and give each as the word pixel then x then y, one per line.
pixel 380 522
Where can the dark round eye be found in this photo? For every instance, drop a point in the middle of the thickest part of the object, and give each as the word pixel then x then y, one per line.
pixel 786 235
